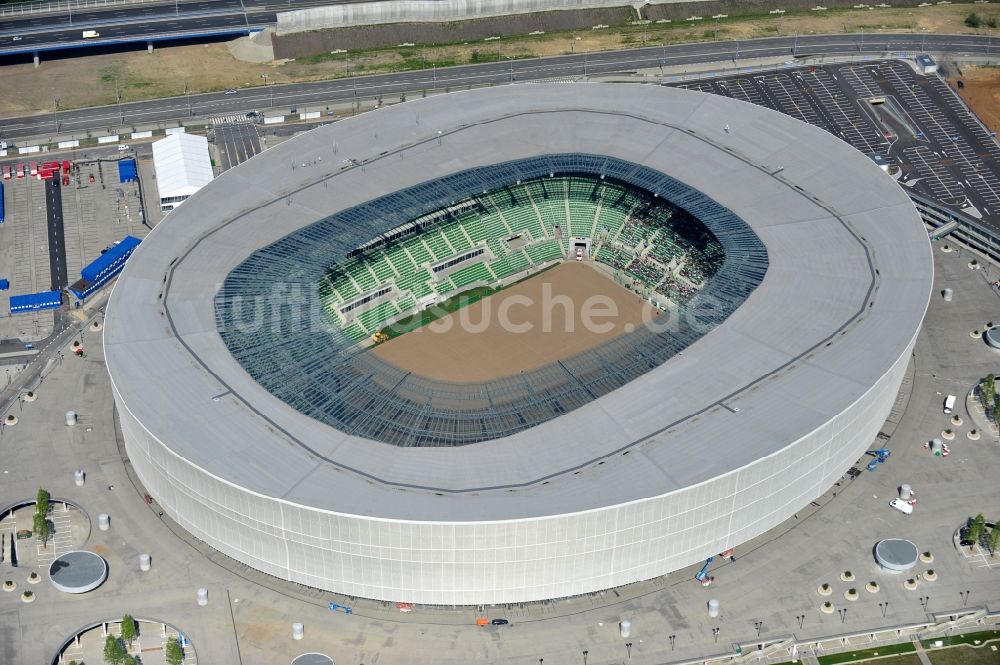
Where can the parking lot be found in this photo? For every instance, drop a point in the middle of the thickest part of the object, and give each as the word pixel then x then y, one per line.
pixel 913 120
pixel 52 230
pixel 98 210
pixel 236 142
pixel 24 256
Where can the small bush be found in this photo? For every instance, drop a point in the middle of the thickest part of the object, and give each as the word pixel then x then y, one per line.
pixel 973 20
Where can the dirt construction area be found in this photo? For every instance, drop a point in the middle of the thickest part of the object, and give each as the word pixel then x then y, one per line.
pixel 981 91
pixel 551 316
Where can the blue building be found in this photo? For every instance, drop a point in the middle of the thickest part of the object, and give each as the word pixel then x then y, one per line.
pixel 34 302
pixel 104 268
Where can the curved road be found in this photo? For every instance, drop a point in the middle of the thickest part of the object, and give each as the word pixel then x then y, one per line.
pixel 569 66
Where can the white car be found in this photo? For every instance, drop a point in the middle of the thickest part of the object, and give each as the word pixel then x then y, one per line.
pixel 122 148
pixel 579 254
pixel 232 91
pixel 949 404
pixel 16 38
pixel 901 506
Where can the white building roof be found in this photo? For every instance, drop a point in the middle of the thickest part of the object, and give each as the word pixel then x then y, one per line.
pixel 847 284
pixel 182 164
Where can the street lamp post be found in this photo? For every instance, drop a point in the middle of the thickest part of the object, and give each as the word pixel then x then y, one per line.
pixel 715 634
pixel 585 652
pixel 801 618
pixel 923 602
pixel 843 614
pixel 55 112
pixel 965 597
pixel 628 650
pixel 884 606
pixel 672 638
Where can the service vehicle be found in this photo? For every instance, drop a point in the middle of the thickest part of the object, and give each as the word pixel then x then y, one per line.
pixel 949 404
pixel 579 254
pixel 90 34
pixel 901 506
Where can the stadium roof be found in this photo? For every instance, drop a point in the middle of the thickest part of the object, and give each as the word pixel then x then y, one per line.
pixel 182 164
pixel 847 284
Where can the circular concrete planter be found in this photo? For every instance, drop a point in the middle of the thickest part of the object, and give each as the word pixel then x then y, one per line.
pixel 34 578
pixel 973 264
pixel 30 396
pixel 27 597
pixel 824 590
pixel 10 420
pixel 826 608
pixel 872 587
pixel 927 557
pixel 851 595
pixel 972 435
pixel 948 435
pixel 910 584
pixel 975 334
pixel 931 575
pixel 956 420
pixel 9 585
pixel 847 576
pixel 96 325
pixel 946 248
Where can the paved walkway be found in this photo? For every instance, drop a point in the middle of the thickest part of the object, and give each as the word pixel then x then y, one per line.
pixel 921 654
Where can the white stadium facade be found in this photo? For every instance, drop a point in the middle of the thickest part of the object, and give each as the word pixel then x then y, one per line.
pixel 282 446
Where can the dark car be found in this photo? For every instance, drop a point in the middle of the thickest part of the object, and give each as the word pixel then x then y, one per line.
pixel 499 622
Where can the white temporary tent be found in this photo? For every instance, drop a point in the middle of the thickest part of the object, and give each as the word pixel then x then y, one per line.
pixel 182 166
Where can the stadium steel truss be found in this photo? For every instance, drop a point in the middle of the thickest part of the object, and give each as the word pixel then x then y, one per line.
pixel 324 375
pixel 264 436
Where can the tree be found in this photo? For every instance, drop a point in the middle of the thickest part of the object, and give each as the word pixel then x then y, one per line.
pixel 42 529
pixel 129 660
pixel 174 654
pixel 42 501
pixel 114 652
pixel 973 20
pixel 996 412
pixel 994 539
pixel 129 630
pixel 975 531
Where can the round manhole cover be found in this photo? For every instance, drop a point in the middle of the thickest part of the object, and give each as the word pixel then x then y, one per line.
pixel 313 659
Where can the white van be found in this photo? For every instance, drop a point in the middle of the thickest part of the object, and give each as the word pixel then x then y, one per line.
pixel 949 404
pixel 90 34
pixel 901 506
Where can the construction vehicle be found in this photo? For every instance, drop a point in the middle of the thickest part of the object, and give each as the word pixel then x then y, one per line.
pixel 880 455
pixel 702 575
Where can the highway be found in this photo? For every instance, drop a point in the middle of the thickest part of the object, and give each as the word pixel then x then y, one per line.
pixel 559 67
pixel 154 21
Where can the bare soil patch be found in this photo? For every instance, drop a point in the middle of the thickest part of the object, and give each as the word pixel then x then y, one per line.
pixel 981 91
pixel 533 323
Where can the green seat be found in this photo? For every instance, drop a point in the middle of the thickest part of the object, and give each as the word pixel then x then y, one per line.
pixel 374 319
pixel 476 272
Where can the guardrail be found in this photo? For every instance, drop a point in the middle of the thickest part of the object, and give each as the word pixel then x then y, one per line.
pixel 70 6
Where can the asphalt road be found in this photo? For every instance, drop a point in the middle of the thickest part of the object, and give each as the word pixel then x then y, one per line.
pixel 154 21
pixel 56 234
pixel 570 66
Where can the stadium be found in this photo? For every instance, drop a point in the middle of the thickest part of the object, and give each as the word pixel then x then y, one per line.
pixel 283 396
